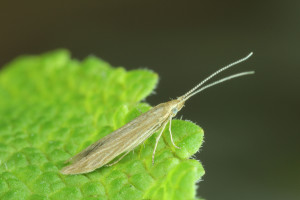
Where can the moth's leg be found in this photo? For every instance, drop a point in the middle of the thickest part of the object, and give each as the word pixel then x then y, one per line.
pixel 157 139
pixel 108 165
pixel 171 134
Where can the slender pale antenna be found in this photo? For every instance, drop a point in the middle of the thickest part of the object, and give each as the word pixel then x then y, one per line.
pixel 217 82
pixel 217 72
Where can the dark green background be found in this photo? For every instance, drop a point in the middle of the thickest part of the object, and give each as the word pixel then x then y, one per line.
pixel 252 136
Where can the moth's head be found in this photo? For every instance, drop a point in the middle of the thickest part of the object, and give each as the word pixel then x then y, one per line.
pixel 175 106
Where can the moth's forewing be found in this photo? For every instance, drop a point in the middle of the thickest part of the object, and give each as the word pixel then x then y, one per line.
pixel 122 140
pixel 87 150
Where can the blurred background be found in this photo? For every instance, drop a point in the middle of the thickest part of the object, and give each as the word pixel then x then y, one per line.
pixel 251 124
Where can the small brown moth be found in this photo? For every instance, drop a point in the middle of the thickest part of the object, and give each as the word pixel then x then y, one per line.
pixel 129 136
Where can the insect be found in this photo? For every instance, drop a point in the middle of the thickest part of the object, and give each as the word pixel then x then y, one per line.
pixel 132 134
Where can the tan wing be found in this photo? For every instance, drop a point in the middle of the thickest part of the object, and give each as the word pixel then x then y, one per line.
pixel 122 140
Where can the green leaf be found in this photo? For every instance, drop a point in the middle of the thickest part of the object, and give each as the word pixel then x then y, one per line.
pixel 52 107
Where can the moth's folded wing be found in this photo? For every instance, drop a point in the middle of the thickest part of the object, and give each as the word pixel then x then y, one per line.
pixel 86 151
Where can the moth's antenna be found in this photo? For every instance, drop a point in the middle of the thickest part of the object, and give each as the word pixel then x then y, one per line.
pixel 217 72
pixel 217 82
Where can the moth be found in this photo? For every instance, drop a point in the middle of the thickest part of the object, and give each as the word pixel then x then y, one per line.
pixel 132 134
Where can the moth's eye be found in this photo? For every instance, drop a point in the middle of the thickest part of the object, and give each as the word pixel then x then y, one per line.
pixel 174 110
